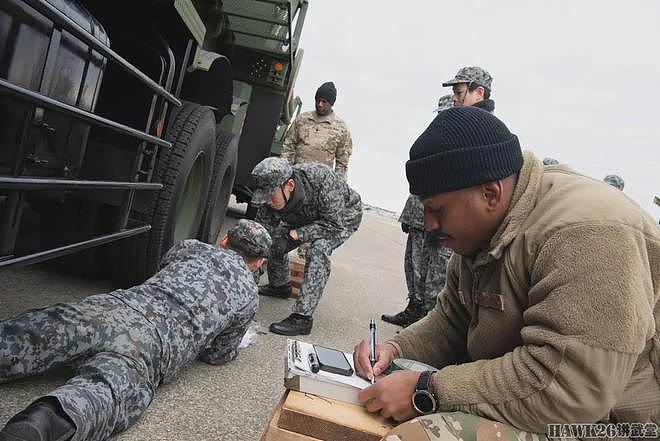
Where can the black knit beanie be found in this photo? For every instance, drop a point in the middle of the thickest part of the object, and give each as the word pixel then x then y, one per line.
pixel 328 92
pixel 461 148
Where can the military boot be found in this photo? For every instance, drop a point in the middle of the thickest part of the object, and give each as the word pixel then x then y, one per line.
pixel 295 324
pixel 40 421
pixel 282 291
pixel 411 314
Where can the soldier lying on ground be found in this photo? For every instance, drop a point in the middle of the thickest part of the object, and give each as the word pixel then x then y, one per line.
pixel 550 313
pixel 306 203
pixel 127 342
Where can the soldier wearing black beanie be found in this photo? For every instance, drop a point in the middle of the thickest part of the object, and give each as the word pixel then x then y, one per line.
pixel 328 92
pixel 550 301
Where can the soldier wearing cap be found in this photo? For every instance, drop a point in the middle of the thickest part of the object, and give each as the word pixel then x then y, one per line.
pixel 472 87
pixel 615 181
pixel 320 135
pixel 127 342
pixel 424 264
pixel 302 204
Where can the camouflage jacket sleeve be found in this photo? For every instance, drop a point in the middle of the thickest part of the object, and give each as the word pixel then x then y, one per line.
pixel 267 218
pixel 330 221
pixel 291 142
pixel 343 153
pixel 224 346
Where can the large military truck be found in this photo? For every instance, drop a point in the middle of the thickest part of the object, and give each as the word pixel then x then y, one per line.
pixel 125 125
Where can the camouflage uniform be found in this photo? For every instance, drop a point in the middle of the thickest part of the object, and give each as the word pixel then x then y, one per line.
pixel 615 181
pixel 425 264
pixel 314 138
pixel 458 426
pixel 325 214
pixel 125 343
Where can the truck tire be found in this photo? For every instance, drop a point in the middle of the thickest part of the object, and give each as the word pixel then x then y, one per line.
pixel 175 212
pixel 224 172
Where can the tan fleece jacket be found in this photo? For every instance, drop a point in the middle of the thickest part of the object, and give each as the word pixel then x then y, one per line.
pixel 556 322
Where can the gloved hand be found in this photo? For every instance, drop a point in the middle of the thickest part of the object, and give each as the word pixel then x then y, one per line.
pixel 405 228
pixel 279 247
pixel 282 244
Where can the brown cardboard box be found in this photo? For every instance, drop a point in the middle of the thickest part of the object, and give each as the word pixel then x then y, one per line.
pixel 297 266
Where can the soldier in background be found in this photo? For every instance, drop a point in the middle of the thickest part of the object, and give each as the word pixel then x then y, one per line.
pixel 320 135
pixel 425 264
pixel 472 87
pixel 128 342
pixel 304 203
pixel 615 181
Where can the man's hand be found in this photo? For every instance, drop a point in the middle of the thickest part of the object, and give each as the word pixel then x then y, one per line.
pixel 384 355
pixel 279 247
pixel 392 395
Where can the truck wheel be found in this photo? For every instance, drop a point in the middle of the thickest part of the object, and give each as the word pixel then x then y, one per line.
pixel 175 213
pixel 185 174
pixel 224 172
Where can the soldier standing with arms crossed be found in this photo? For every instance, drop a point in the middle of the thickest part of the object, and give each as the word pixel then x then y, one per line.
pixel 320 135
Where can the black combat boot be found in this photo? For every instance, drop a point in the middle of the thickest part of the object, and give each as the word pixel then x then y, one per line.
pixel 40 421
pixel 295 324
pixel 282 291
pixel 408 316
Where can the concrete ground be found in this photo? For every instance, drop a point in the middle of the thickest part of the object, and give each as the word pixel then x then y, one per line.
pixel 233 402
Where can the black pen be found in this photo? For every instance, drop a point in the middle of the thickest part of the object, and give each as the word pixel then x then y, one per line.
pixel 313 362
pixel 372 348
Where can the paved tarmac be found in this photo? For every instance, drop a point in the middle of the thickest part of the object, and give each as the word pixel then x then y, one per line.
pixel 233 402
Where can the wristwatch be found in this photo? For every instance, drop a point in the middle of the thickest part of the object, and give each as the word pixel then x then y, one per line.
pixel 422 399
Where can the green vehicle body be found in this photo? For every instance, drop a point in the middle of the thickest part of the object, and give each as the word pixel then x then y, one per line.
pixel 126 125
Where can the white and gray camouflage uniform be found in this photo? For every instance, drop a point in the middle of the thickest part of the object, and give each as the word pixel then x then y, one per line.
pixel 127 342
pixel 425 264
pixel 327 214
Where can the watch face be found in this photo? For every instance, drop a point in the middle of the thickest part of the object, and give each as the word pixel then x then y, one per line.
pixel 423 401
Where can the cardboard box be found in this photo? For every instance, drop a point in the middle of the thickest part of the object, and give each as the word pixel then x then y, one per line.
pixel 297 266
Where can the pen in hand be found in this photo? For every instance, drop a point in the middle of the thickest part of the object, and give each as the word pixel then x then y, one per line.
pixel 372 348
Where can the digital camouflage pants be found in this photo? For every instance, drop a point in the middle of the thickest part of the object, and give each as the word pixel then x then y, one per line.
pixel 317 271
pixel 425 266
pixel 458 426
pixel 116 349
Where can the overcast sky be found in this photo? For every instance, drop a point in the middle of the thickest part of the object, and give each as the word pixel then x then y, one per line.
pixel 575 80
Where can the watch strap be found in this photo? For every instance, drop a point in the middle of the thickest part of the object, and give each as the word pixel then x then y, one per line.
pixel 423 381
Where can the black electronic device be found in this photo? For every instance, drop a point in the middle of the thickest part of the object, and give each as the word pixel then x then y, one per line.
pixel 332 360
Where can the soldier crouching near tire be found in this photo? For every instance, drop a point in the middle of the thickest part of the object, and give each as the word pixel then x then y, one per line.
pixel 127 342
pixel 550 312
pixel 304 203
